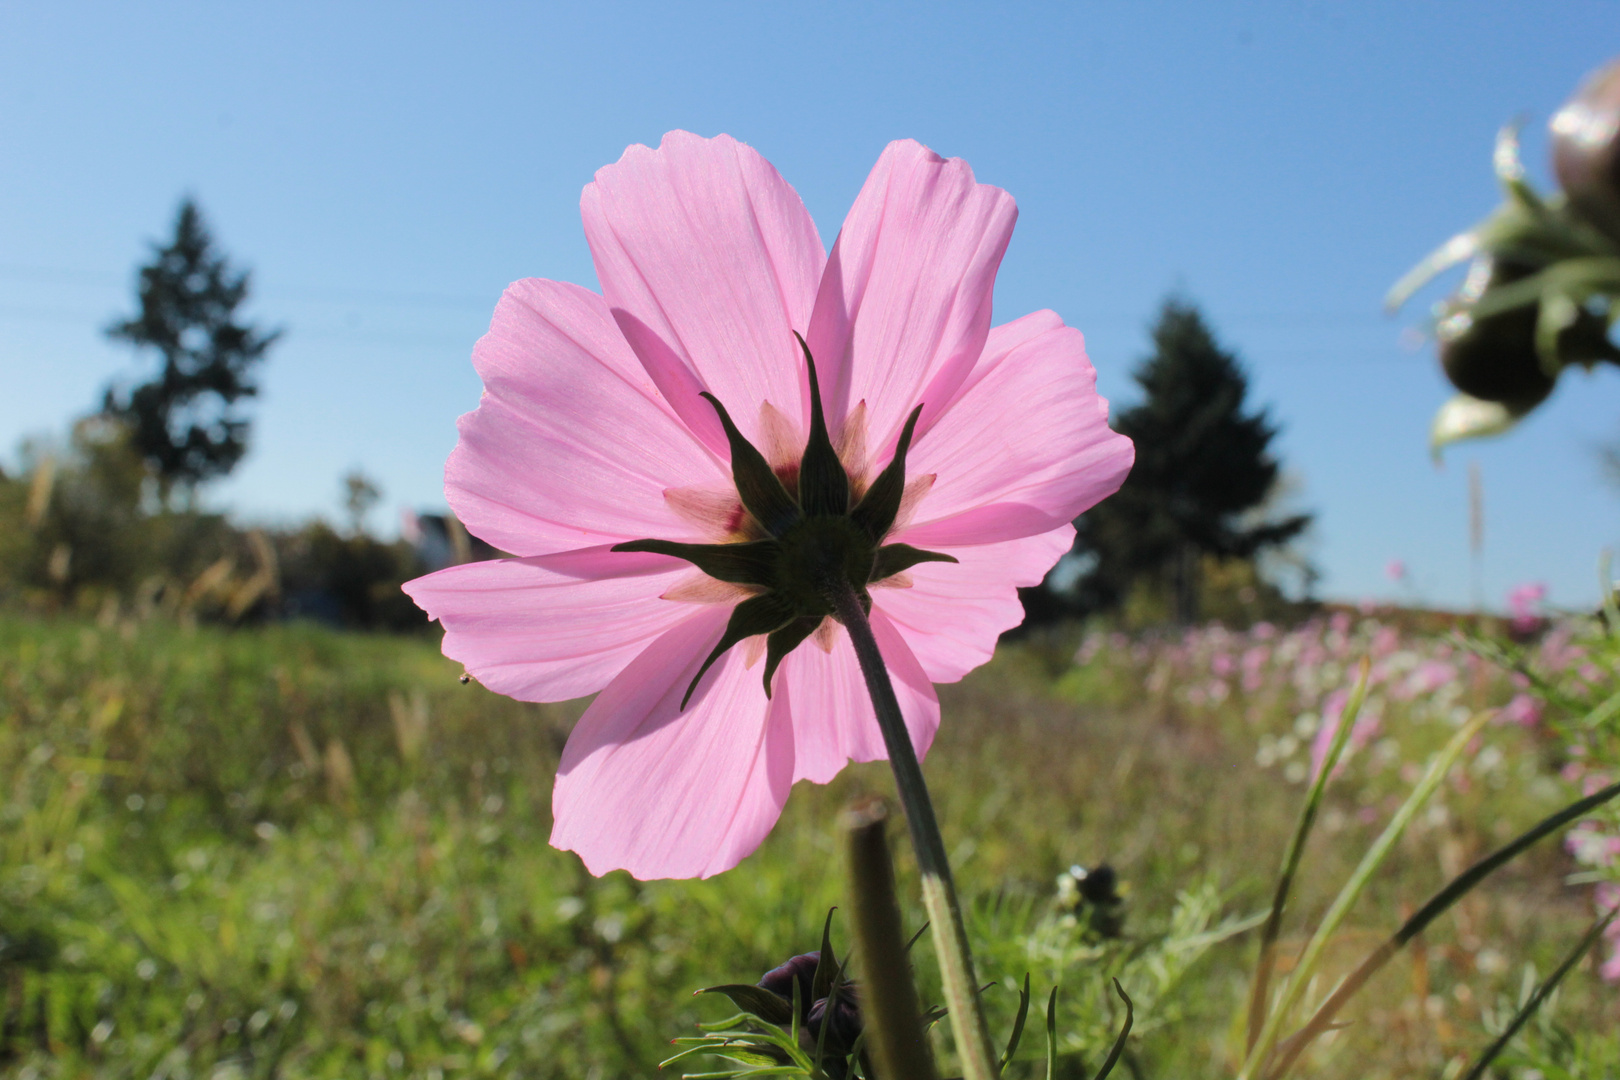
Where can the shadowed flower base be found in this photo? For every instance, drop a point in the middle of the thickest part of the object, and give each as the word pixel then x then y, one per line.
pixel 811 543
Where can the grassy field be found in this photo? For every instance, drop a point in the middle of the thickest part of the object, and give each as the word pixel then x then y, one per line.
pixel 292 852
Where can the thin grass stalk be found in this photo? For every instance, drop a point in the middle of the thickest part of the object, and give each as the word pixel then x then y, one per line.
pixel 1437 905
pixel 1296 850
pixel 1542 992
pixel 968 1022
pixel 1611 610
pixel 1300 977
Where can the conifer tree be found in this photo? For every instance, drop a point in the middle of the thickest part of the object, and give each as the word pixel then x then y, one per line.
pixel 184 421
pixel 1203 467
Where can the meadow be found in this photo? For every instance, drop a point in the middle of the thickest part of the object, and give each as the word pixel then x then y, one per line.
pixel 289 851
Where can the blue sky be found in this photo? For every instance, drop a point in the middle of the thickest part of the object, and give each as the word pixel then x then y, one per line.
pixel 386 170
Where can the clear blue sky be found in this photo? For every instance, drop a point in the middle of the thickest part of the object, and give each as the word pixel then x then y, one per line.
pixel 387 169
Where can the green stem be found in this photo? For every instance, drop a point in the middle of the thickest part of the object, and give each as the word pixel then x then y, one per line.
pixel 939 892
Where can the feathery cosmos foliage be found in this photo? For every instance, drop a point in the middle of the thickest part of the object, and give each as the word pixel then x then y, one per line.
pixel 676 461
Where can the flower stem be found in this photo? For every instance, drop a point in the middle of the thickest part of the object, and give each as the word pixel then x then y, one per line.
pixel 939 892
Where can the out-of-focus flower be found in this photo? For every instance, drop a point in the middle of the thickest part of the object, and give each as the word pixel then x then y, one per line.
pixel 1367 725
pixel 632 416
pixel 1607 896
pixel 1524 601
pixel 1523 710
pixel 1395 570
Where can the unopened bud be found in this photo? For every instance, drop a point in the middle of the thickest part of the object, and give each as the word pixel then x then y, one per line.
pixel 1586 148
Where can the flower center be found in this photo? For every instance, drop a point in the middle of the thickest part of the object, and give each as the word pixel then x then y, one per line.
pixel 818 537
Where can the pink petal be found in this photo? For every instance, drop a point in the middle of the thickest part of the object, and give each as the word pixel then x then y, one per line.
pixel 553 627
pixel 571 445
pixel 710 262
pixel 904 304
pixel 1026 446
pixel 953 614
pixel 661 793
pixel 833 720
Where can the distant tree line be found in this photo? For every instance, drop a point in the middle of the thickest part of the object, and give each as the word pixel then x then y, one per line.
pixel 110 522
pixel 1184 533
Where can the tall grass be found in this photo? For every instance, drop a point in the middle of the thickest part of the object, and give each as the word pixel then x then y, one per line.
pixel 291 852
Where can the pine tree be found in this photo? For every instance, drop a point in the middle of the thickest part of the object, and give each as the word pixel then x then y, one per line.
pixel 184 421
pixel 1202 468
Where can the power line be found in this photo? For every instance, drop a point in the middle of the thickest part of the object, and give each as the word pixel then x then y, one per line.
pixel 14 272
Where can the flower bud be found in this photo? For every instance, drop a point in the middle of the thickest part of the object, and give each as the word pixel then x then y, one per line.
pixel 801 969
pixel 1493 358
pixel 843 1020
pixel 1586 148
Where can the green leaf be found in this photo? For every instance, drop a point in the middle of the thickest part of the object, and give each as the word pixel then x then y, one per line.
pixel 758 486
pixel 756 615
pixel 752 562
pixel 893 558
pixel 881 505
pixel 1124 1033
pixel 783 641
pixel 1018 1025
pixel 823 483
pixel 754 1000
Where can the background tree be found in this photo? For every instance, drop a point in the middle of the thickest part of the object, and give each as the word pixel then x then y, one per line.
pixel 1203 470
pixel 360 494
pixel 184 421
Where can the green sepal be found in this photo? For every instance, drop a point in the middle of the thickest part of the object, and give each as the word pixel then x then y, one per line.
pixel 756 615
pixel 784 641
pixel 755 1001
pixel 758 485
pixel 827 967
pixel 1018 1026
pixel 1124 1033
pixel 823 483
pixel 876 512
pixel 751 562
pixel 893 558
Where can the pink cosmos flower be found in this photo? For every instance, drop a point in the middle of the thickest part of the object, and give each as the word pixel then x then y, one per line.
pixel 592 433
pixel 1524 601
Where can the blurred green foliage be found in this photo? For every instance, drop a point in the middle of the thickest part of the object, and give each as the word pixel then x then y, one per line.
pixel 287 851
pixel 84 527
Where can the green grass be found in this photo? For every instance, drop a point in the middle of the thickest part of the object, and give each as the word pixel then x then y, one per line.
pixel 291 852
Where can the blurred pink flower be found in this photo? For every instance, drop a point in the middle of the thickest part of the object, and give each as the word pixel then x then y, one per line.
pixel 1523 710
pixel 1395 570
pixel 591 432
pixel 1524 601
pixel 1368 724
pixel 1607 896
